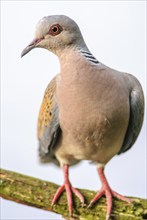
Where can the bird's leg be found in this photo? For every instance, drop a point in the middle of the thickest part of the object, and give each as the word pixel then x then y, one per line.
pixel 69 189
pixel 108 192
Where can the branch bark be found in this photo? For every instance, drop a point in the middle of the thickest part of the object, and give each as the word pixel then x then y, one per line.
pixel 39 193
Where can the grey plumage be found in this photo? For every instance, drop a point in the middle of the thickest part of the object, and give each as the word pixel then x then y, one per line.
pixel 136 101
pixel 79 56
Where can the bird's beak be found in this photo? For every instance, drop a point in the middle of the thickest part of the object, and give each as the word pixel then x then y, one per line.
pixel 31 46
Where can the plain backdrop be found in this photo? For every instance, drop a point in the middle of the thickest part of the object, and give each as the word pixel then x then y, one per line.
pixel 115 32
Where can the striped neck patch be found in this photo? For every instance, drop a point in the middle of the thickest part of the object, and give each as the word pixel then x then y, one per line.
pixel 89 56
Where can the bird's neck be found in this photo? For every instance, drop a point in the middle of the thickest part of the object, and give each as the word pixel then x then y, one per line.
pixel 73 58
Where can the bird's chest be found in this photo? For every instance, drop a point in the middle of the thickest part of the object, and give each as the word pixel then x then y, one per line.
pixel 90 114
pixel 84 104
pixel 76 102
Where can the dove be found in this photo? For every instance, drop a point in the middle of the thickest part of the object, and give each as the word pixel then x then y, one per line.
pixel 89 110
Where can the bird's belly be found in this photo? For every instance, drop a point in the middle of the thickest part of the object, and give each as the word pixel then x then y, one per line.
pixel 98 140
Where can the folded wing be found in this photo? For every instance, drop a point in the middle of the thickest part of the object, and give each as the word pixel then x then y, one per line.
pixel 136 100
pixel 48 124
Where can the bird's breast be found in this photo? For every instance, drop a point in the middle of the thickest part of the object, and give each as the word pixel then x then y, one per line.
pixel 85 101
pixel 91 113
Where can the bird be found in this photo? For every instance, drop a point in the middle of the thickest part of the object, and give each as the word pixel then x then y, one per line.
pixel 89 110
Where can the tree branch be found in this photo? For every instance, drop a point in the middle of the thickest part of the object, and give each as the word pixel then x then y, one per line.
pixel 38 193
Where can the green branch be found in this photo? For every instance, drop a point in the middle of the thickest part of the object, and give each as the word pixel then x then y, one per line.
pixel 38 193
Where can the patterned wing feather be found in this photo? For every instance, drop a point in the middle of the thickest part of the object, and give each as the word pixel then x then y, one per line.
pixel 48 124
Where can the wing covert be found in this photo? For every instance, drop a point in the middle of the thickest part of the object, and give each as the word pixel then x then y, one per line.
pixel 48 123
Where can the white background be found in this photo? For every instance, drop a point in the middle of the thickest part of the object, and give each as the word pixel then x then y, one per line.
pixel 115 33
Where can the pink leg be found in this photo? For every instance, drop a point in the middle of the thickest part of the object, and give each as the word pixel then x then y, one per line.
pixel 69 189
pixel 106 190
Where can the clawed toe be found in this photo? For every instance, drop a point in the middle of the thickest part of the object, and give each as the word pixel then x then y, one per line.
pixel 69 190
pixel 108 192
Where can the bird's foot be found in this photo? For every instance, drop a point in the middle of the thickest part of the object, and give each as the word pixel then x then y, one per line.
pixel 109 193
pixel 69 190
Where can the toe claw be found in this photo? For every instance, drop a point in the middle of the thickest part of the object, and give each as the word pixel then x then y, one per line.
pixel 83 205
pixel 90 205
pixel 107 217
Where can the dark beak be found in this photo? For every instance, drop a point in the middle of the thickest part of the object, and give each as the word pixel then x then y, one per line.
pixel 31 46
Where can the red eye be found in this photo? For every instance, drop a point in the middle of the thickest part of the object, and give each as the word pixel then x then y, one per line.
pixel 55 29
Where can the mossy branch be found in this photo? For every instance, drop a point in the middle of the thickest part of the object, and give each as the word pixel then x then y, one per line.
pixel 39 193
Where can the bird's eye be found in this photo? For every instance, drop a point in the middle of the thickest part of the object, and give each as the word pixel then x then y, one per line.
pixel 55 29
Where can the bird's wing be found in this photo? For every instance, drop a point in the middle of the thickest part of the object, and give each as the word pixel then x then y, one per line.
pixel 48 123
pixel 136 101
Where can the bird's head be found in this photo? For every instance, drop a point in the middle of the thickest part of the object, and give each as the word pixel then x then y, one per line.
pixel 55 33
